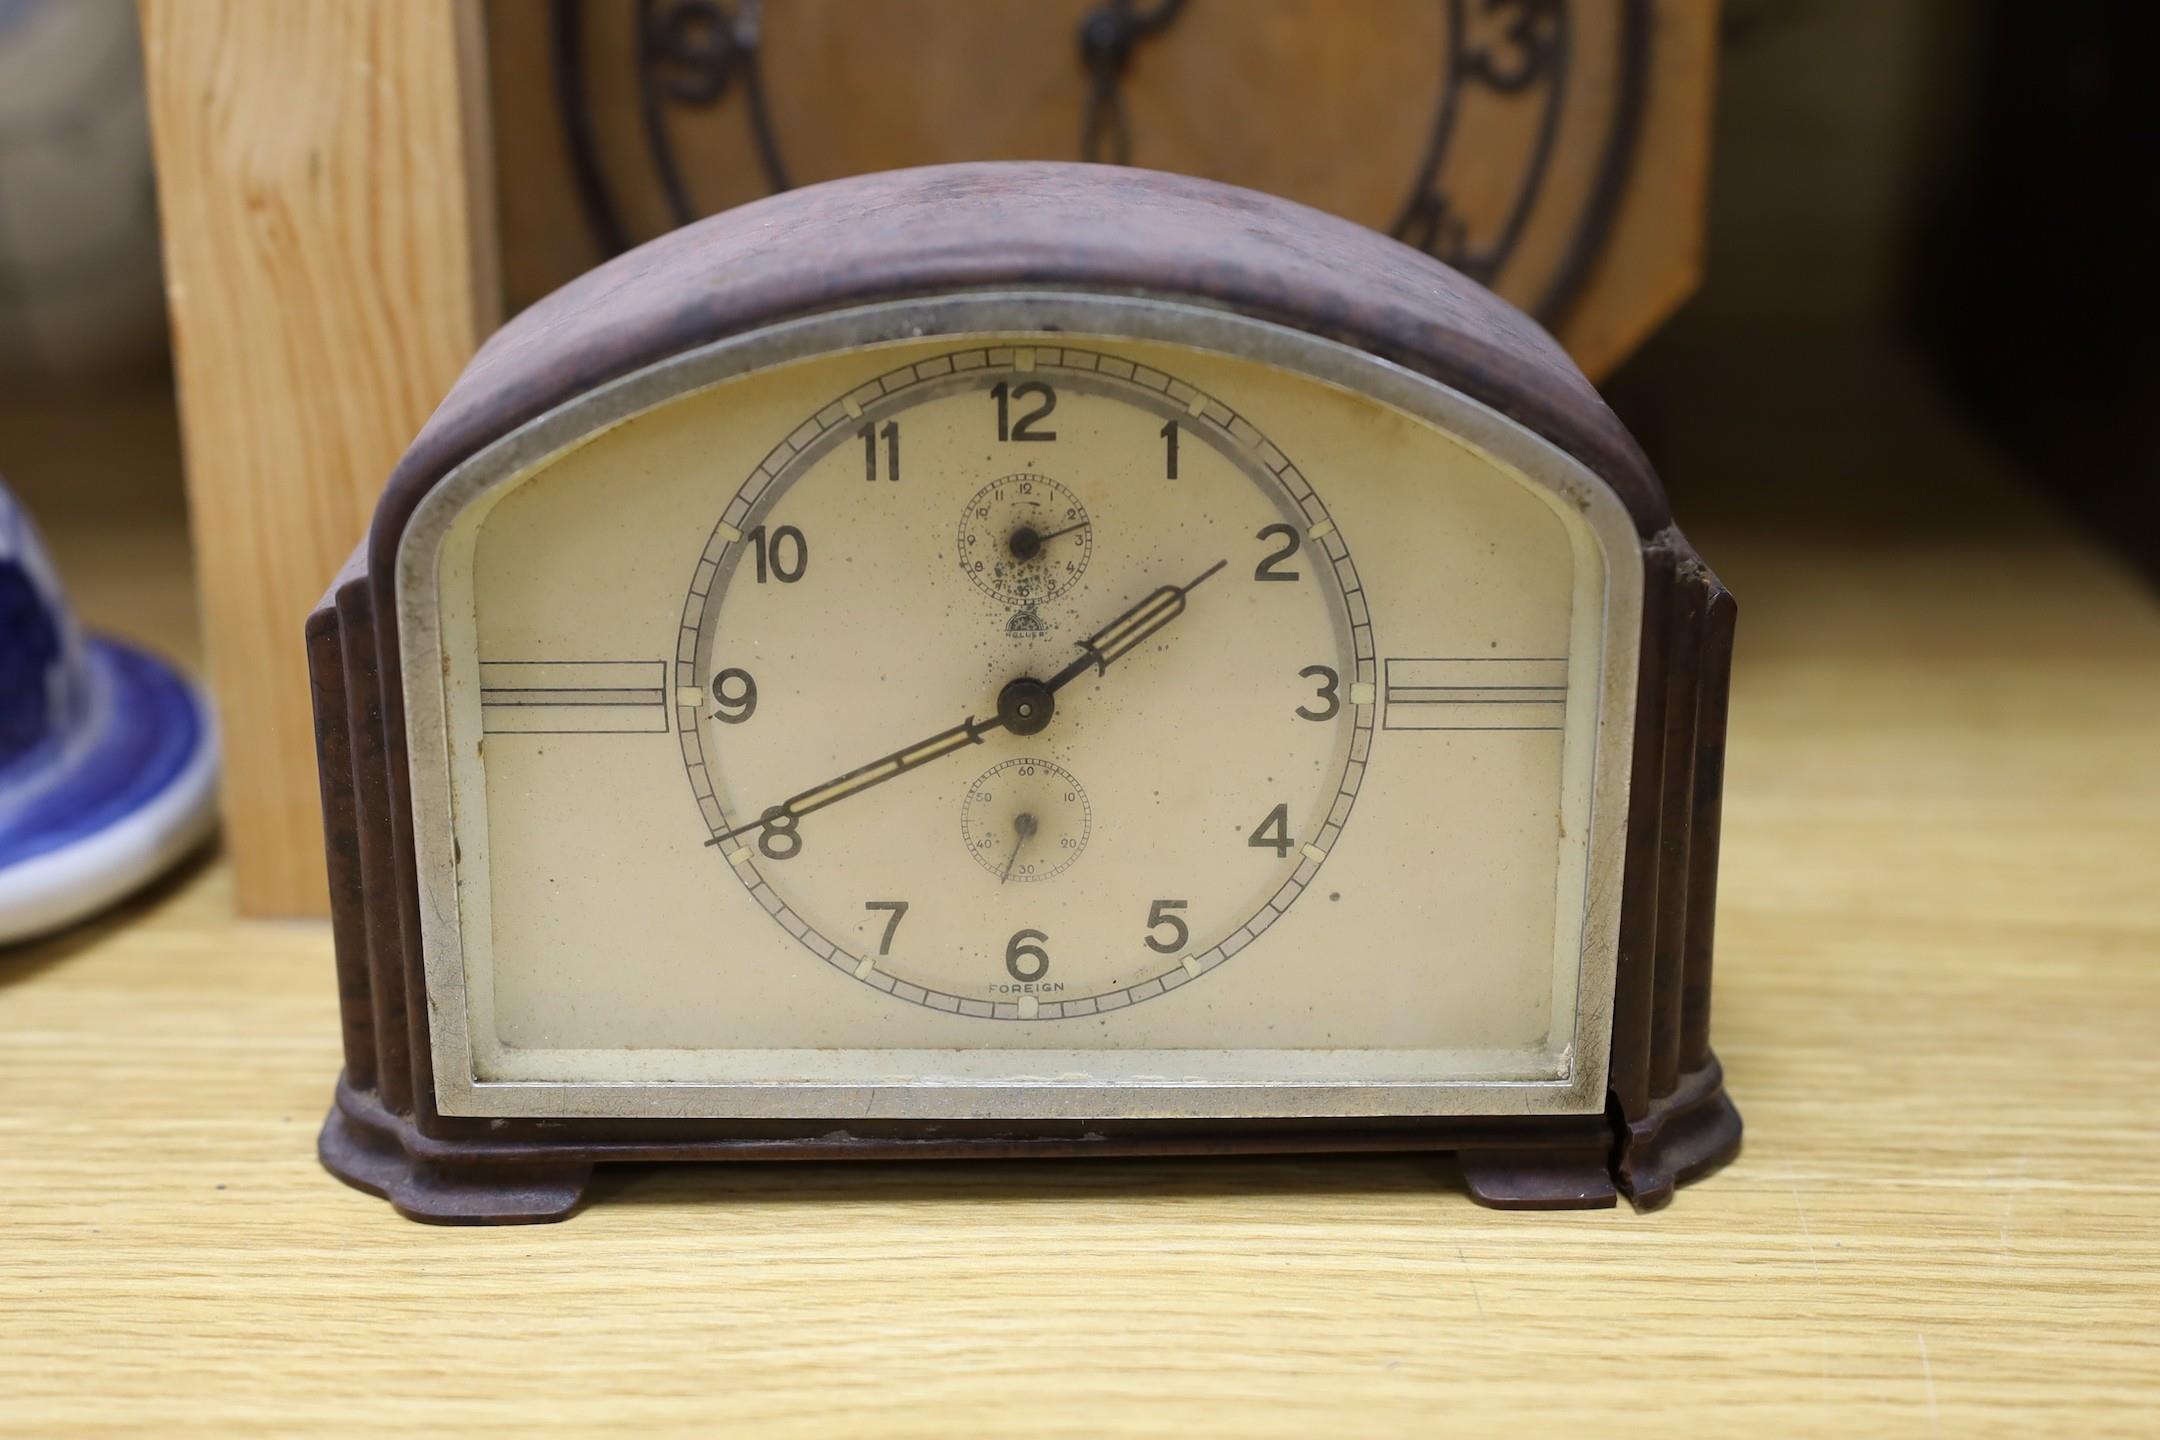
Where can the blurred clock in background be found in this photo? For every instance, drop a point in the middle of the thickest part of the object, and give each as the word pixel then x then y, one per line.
pixel 1553 149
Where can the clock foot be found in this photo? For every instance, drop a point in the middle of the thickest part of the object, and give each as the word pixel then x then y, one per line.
pixel 1546 1179
pixel 373 1150
pixel 1682 1136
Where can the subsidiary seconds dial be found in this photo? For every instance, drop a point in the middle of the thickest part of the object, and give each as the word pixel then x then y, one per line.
pixel 1067 755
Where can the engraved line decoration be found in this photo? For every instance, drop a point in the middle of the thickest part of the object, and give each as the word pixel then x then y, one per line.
pixel 1481 693
pixel 573 697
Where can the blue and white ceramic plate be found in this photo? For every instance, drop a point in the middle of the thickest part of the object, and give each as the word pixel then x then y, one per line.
pixel 108 758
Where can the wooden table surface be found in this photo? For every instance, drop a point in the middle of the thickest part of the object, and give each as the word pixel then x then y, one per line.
pixel 1939 996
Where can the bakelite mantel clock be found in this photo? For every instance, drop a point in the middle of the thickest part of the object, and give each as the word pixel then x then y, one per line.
pixel 1021 660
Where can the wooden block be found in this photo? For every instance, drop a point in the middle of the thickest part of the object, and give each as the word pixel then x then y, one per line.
pixel 325 184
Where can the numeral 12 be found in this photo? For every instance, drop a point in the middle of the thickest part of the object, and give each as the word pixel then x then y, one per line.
pixel 1023 428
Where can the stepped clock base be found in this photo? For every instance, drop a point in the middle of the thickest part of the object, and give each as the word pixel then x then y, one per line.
pixel 1684 1136
pixel 1561 1165
pixel 371 1149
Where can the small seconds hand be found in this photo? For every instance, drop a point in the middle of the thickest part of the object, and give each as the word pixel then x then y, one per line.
pixel 1023 831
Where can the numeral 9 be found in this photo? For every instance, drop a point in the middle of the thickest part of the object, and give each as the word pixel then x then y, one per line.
pixel 736 694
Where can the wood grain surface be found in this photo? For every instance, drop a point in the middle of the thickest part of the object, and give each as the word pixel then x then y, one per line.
pixel 329 270
pixel 1939 990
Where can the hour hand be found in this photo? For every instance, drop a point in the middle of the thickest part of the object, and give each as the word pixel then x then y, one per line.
pixel 1124 634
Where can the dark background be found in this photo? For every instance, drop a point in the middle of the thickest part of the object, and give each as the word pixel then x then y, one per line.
pixel 1931 272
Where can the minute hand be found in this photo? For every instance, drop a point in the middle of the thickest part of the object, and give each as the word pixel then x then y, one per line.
pixel 1125 634
pixel 968 732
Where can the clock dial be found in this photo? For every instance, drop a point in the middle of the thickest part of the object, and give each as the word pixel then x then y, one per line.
pixel 1006 539
pixel 1098 633
pixel 982 711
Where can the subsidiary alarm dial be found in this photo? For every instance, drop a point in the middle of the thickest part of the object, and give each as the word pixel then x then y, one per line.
pixel 1025 539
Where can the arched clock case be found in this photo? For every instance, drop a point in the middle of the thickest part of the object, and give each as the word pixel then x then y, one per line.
pixel 1340 716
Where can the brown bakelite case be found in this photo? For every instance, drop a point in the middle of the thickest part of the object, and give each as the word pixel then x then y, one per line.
pixel 1015 227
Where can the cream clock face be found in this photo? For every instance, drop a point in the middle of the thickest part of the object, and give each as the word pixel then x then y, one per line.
pixel 1030 689
pixel 990 718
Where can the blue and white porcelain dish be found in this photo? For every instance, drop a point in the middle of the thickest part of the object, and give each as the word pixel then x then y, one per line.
pixel 108 757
